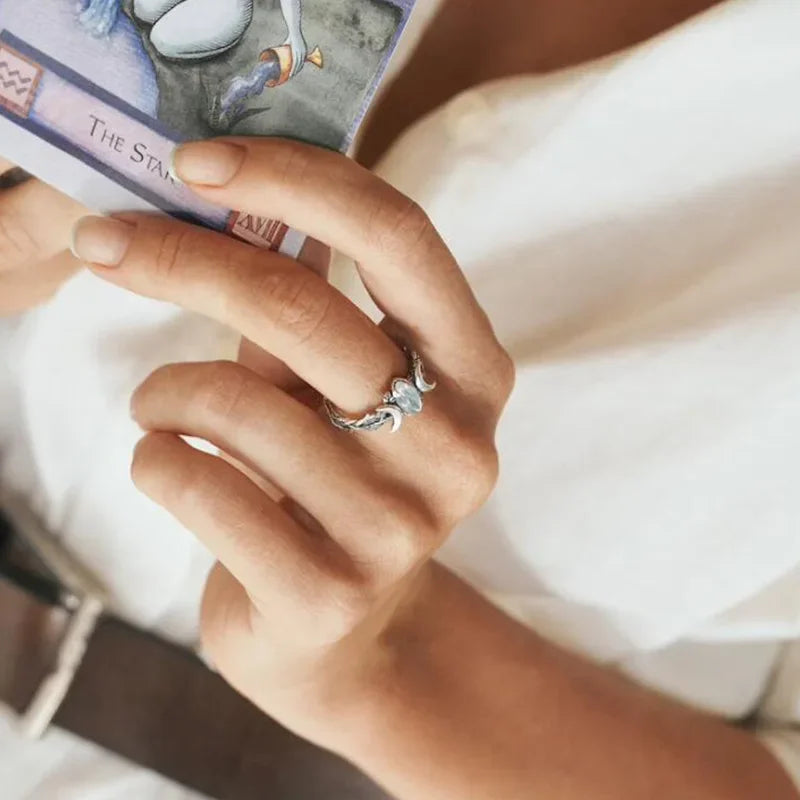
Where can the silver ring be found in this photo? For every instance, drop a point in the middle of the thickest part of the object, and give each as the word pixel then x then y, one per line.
pixel 404 399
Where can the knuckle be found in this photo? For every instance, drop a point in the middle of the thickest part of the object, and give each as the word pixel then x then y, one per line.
pixel 480 466
pixel 348 604
pixel 506 372
pixel 224 388
pixel 172 251
pixel 468 475
pixel 300 301
pixel 400 225
pixel 193 487
pixel 411 534
pixel 493 388
pixel 292 163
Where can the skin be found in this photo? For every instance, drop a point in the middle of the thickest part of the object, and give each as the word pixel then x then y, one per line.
pixel 34 258
pixel 330 615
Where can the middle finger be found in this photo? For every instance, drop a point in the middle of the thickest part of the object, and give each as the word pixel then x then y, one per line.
pixel 282 306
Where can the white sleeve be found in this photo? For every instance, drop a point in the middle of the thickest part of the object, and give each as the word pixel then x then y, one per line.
pixel 779 715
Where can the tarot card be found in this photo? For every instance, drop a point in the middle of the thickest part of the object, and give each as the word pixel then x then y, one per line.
pixel 95 94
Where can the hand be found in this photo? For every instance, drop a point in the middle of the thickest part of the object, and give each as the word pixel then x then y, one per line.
pixel 35 225
pixel 320 589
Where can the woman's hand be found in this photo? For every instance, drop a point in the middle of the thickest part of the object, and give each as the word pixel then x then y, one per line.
pixel 35 225
pixel 320 590
pixel 325 609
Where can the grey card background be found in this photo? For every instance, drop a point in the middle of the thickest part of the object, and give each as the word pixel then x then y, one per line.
pixel 320 106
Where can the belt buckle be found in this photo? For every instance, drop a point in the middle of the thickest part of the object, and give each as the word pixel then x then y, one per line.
pixel 83 597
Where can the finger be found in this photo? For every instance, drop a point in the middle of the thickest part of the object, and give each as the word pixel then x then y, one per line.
pixel 32 285
pixel 404 263
pixel 269 553
pixel 272 369
pixel 35 224
pixel 269 298
pixel 262 427
pixel 315 256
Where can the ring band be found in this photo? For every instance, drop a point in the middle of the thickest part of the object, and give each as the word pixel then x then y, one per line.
pixel 404 399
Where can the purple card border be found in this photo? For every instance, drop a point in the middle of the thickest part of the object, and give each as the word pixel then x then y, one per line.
pixel 407 7
pixel 56 67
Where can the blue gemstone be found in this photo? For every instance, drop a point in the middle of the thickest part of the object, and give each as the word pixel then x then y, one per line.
pixel 406 396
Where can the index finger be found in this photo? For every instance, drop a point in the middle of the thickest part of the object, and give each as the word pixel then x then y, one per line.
pixel 406 266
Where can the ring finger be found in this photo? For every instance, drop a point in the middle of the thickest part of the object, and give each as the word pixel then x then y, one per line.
pixel 277 437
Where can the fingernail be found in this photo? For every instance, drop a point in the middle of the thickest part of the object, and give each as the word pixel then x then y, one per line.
pixel 213 163
pixel 101 240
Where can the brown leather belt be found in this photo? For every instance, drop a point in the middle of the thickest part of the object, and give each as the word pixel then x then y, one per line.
pixel 160 706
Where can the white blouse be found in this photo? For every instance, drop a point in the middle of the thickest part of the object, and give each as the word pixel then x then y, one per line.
pixel 631 227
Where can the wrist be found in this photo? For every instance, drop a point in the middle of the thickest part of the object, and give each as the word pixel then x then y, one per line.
pixel 364 691
pixel 411 674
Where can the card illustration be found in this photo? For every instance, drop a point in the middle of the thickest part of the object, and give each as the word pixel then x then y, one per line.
pixel 117 83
